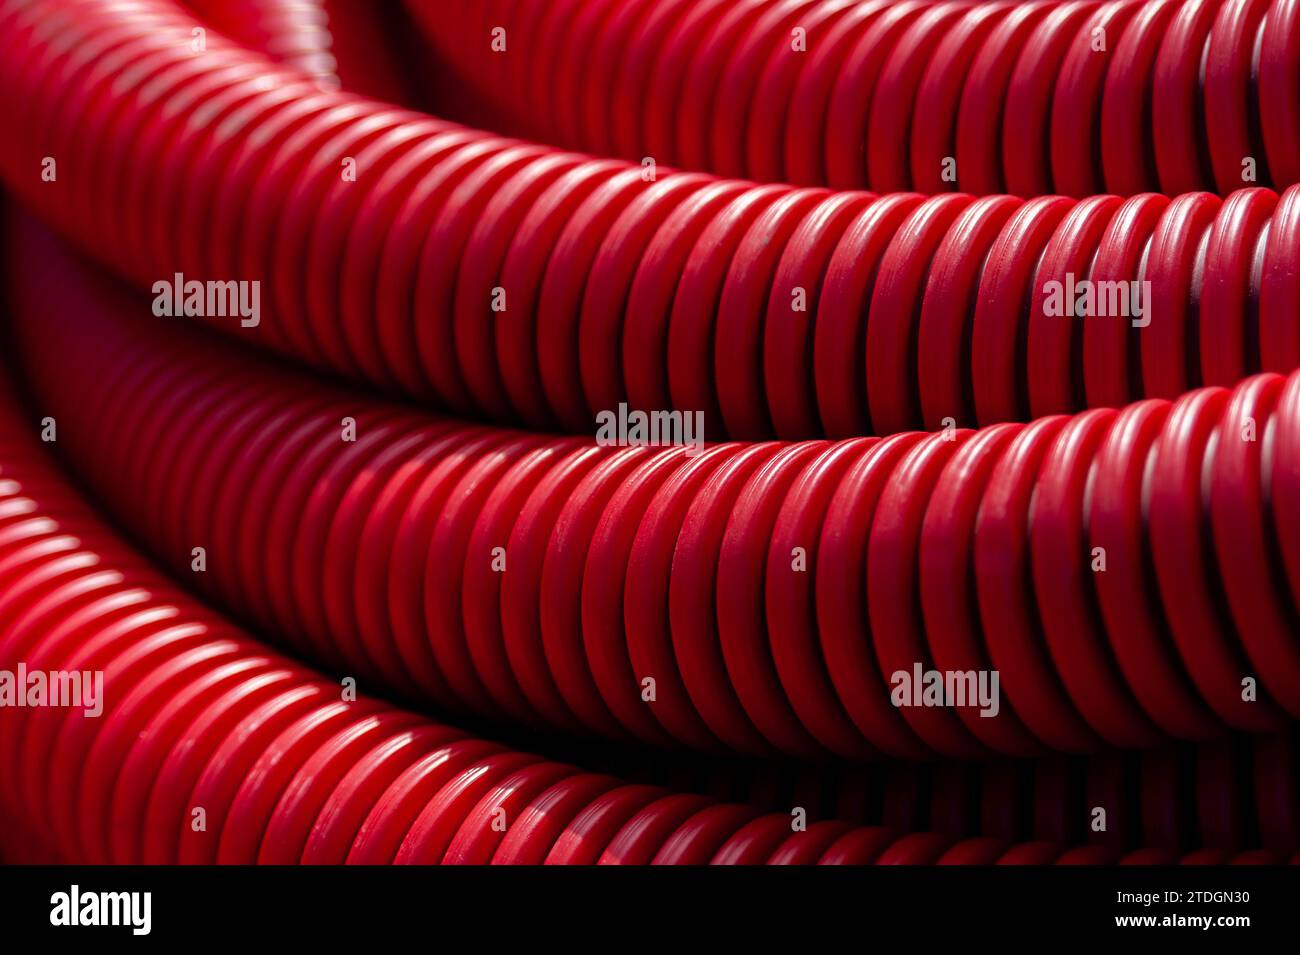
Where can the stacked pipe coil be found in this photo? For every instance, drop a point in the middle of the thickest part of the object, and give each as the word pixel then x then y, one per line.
pixel 380 555
pixel 767 590
pixel 671 293
pixel 1075 98
pixel 205 718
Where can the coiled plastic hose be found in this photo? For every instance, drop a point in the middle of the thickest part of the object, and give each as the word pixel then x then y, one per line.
pixel 543 579
pixel 1074 98
pixel 678 293
pixel 1227 794
pixel 203 718
pixel 924 848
